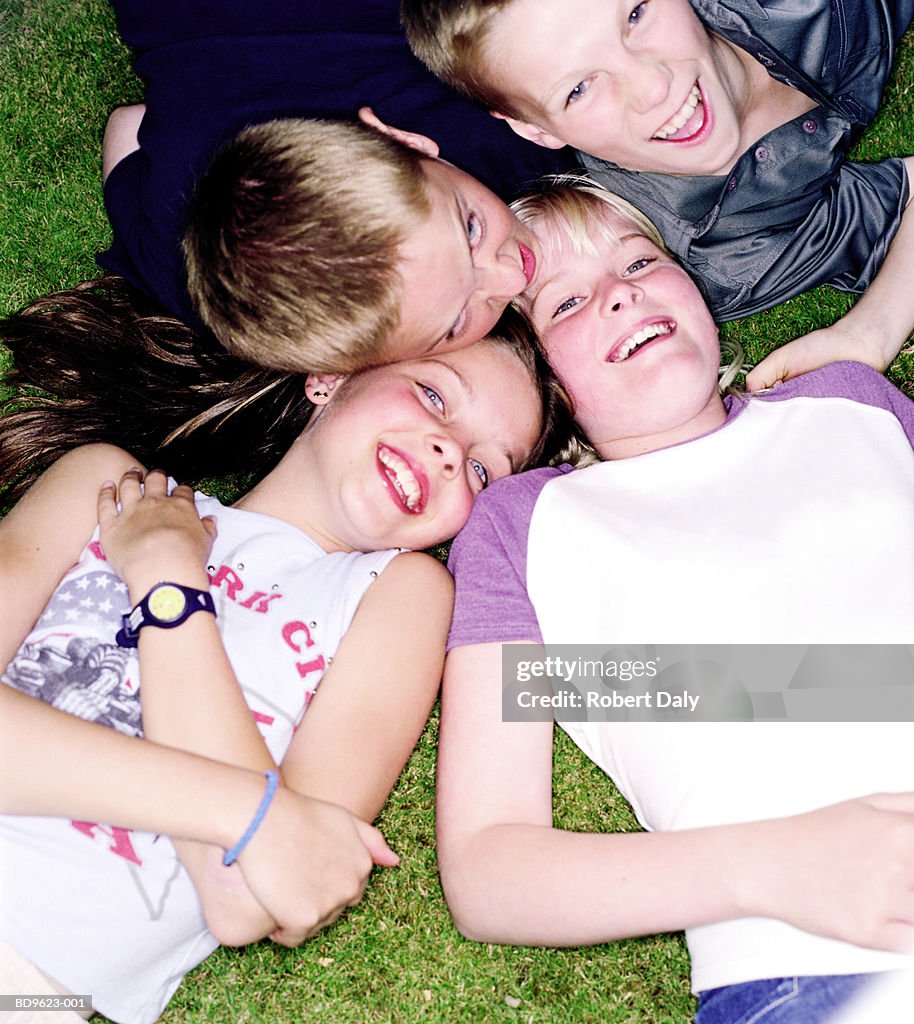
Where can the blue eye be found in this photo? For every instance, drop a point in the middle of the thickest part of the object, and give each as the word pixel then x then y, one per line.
pixel 637 14
pixel 474 230
pixel 638 265
pixel 480 470
pixel 565 306
pixel 432 395
pixel 576 93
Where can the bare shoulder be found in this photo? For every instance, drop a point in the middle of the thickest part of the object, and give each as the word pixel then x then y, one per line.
pixel 70 486
pixel 414 589
pixel 90 465
pixel 416 570
pixel 98 457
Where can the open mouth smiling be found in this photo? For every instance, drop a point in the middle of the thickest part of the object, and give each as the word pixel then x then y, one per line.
pixel 628 346
pixel 687 122
pixel 402 480
pixel 528 261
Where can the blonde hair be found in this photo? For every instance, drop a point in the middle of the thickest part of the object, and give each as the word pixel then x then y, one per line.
pixel 573 204
pixel 292 243
pixel 449 37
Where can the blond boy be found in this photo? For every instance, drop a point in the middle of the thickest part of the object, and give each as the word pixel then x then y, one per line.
pixel 728 122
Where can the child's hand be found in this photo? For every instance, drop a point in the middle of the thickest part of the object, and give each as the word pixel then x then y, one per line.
pixel 809 352
pixel 154 536
pixel 308 861
pixel 845 871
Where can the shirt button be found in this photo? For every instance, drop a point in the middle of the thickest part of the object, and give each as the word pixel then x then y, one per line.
pixel 810 126
pixel 731 184
pixel 761 154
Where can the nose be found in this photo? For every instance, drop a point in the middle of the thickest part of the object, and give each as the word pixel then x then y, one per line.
pixel 502 278
pixel 446 454
pixel 648 84
pixel 618 293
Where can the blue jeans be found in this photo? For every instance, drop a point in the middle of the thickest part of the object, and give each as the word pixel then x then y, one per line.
pixel 812 1000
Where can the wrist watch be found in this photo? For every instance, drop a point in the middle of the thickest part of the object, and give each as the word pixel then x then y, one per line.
pixel 167 605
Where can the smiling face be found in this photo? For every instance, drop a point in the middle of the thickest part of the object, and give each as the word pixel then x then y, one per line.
pixel 642 84
pixel 628 334
pixel 461 268
pixel 398 455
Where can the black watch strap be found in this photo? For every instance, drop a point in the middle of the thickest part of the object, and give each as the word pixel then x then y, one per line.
pixel 166 605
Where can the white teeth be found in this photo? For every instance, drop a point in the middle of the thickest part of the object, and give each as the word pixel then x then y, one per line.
pixel 678 120
pixel 639 338
pixel 402 477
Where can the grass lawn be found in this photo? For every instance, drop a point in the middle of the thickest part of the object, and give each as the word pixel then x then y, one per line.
pixel 395 957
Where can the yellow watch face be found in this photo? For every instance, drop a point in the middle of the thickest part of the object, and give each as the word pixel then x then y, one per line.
pixel 167 603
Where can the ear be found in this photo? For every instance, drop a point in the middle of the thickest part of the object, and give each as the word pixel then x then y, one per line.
pixel 423 143
pixel 319 387
pixel 530 132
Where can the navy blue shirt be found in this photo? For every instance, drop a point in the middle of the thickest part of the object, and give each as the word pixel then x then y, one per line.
pixel 793 213
pixel 211 67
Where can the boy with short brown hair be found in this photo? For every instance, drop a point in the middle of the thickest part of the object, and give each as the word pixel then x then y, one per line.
pixel 331 249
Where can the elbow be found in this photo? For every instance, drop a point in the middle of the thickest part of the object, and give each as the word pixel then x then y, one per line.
pixel 473 909
pixel 233 914
pixel 474 920
pixel 237 922
pixel 471 927
pixel 121 136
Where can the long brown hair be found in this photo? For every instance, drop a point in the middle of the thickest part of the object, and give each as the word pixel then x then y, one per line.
pixel 100 363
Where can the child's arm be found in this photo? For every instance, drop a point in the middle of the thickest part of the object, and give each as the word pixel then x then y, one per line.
pixel 375 698
pixel 872 331
pixel 190 694
pixel 53 764
pixel 40 539
pixel 510 877
pixel 121 136
pixel 157 536
pixel 373 701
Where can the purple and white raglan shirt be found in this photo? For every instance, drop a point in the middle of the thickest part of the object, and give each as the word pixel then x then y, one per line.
pixel 793 523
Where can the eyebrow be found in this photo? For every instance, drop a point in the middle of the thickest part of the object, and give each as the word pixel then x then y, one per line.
pixel 470 393
pixel 558 93
pixel 620 241
pixel 465 385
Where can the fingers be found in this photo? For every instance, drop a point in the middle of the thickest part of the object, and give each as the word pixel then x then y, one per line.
pixel 376 845
pixel 896 937
pixel 770 371
pixel 892 801
pixel 130 486
pixel 292 937
pixel 136 484
pixel 107 502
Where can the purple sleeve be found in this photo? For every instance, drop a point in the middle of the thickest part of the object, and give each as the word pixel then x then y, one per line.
pixel 854 381
pixel 489 563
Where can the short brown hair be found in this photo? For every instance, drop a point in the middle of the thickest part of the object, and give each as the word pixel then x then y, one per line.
pixel 292 238
pixel 449 37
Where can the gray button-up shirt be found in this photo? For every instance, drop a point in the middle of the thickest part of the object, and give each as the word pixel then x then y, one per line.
pixel 793 212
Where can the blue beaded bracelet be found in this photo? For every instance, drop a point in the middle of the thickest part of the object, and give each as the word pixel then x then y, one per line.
pixel 272 785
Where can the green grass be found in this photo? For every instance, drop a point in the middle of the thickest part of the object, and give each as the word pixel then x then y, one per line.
pixel 396 957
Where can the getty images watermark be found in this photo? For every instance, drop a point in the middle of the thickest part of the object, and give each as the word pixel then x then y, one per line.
pixel 708 682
